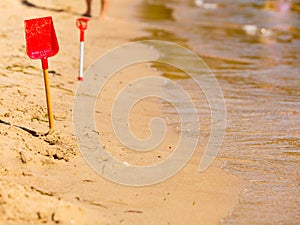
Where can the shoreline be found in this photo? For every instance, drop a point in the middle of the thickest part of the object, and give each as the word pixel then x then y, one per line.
pixel 45 179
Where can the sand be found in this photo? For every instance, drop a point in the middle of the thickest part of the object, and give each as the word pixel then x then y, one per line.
pixel 45 179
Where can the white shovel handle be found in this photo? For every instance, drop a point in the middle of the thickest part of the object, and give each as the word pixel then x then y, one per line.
pixel 81 61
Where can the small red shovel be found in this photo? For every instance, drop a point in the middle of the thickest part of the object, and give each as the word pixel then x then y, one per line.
pixel 41 43
pixel 81 23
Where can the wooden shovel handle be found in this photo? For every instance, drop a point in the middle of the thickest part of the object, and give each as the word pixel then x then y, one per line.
pixel 49 102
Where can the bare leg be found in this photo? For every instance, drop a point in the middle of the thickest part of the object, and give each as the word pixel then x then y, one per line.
pixel 104 8
pixel 88 8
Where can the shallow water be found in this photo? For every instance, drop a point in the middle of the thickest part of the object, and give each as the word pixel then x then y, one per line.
pixel 253 48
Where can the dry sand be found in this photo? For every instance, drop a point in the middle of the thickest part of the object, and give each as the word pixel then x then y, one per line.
pixel 45 180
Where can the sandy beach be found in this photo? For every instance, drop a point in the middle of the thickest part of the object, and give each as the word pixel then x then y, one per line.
pixel 45 179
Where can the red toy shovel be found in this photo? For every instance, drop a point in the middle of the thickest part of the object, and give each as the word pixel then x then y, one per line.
pixel 81 23
pixel 41 43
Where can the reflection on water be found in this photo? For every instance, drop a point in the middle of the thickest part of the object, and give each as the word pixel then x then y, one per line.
pixel 253 47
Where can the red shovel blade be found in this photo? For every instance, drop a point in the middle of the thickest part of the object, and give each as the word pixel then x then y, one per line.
pixel 41 40
pixel 81 23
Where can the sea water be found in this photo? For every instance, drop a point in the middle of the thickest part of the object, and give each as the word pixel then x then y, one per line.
pixel 253 48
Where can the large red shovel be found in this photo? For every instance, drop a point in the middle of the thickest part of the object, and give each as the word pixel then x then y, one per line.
pixel 41 43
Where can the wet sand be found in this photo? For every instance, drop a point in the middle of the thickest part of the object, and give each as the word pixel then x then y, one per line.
pixel 45 179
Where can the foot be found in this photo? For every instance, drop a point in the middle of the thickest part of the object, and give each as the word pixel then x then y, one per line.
pixel 105 18
pixel 87 15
